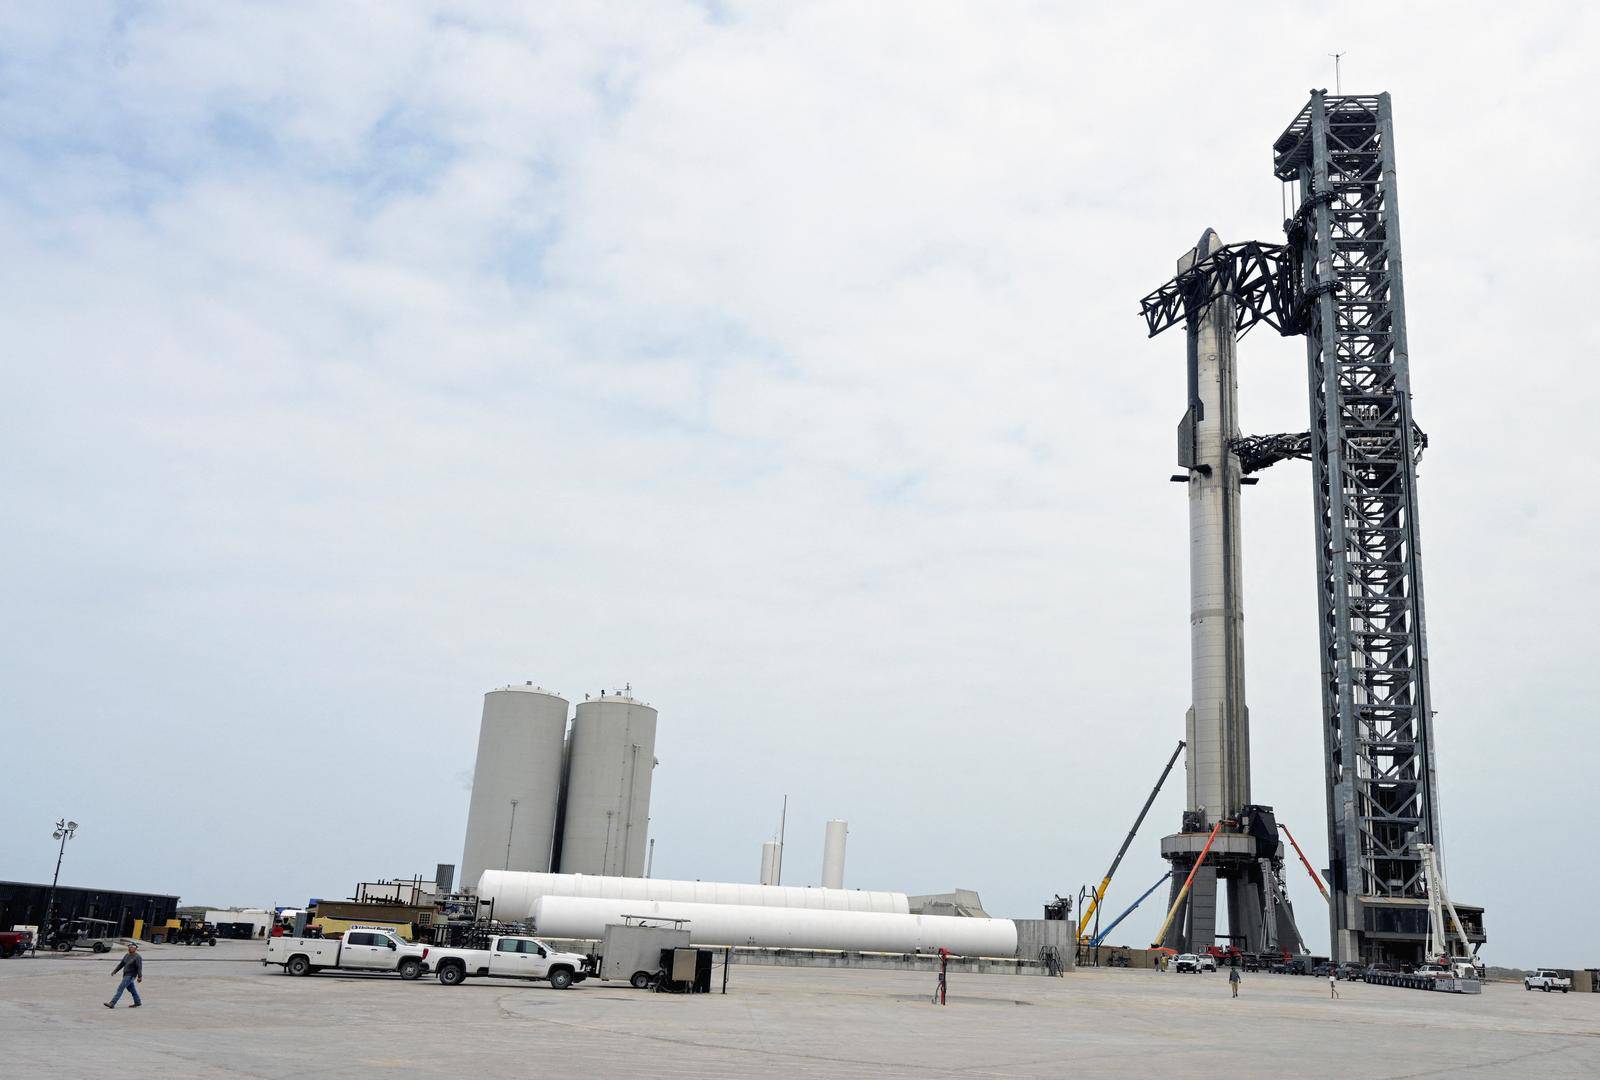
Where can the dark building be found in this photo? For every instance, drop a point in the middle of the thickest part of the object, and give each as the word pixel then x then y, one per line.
pixel 26 904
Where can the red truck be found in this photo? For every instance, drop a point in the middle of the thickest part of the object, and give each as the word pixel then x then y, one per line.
pixel 15 942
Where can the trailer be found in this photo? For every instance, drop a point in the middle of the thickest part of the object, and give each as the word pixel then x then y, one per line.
pixel 638 954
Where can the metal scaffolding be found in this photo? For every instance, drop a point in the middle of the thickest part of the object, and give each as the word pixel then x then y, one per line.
pixel 1382 788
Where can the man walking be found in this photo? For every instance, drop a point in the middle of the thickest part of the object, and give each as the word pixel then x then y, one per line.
pixel 132 968
pixel 1233 979
pixel 1333 985
pixel 943 985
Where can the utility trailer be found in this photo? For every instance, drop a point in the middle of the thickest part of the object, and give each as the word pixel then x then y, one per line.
pixel 1447 984
pixel 640 955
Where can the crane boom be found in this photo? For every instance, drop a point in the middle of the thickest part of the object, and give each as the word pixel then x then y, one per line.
pixel 1321 888
pixel 1183 893
pixel 1105 882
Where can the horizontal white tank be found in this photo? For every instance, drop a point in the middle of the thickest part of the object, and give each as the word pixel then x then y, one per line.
pixel 514 893
pixel 783 928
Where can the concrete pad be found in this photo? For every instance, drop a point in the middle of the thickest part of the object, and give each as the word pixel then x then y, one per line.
pixel 219 1013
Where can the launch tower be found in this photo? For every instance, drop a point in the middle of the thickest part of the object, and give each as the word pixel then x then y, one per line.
pixel 1339 282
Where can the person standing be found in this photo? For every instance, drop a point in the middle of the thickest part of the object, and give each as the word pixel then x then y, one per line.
pixel 132 968
pixel 1333 985
pixel 1234 979
pixel 943 984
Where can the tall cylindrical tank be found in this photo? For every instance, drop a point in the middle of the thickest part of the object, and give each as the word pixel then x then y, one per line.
pixel 607 805
pixel 833 854
pixel 514 894
pixel 782 928
pixel 516 783
pixel 769 862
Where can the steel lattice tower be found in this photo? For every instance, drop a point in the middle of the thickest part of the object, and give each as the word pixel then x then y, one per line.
pixel 1376 709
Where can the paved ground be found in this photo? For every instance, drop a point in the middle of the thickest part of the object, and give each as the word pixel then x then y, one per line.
pixel 213 1012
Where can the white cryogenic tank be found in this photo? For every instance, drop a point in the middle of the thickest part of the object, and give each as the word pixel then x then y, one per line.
pixel 833 854
pixel 769 861
pixel 783 928
pixel 516 783
pixel 607 812
pixel 514 894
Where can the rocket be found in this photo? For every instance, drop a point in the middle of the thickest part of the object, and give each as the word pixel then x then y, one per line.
pixel 1218 723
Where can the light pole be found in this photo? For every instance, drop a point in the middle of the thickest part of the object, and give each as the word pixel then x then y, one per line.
pixel 64 832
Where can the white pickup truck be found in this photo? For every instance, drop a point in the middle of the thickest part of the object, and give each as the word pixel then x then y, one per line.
pixel 511 958
pixel 362 949
pixel 1546 980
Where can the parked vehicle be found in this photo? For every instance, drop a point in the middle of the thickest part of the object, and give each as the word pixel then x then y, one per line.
pixel 1186 962
pixel 511 957
pixel 1547 980
pixel 15 942
pixel 361 949
pixel 1375 970
pixel 1350 971
pixel 1229 954
pixel 1323 970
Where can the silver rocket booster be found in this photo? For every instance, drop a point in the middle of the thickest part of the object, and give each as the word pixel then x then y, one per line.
pixel 1218 721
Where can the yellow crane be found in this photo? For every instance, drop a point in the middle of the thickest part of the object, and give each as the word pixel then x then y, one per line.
pixel 1100 893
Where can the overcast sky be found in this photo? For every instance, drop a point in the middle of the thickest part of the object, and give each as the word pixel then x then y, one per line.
pixel 783 362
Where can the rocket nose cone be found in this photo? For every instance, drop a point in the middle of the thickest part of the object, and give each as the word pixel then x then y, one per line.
pixel 1209 244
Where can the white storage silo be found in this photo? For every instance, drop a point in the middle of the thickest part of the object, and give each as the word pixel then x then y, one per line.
pixel 769 862
pixel 516 783
pixel 607 802
pixel 833 854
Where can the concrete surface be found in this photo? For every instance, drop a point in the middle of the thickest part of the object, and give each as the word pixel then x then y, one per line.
pixel 214 1012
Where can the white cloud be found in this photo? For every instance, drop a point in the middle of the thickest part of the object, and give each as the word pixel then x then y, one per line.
pixel 783 361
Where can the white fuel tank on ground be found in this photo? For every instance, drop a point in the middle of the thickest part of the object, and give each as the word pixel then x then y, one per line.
pixel 782 928
pixel 514 893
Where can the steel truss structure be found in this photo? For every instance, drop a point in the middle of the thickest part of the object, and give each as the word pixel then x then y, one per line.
pixel 1382 788
pixel 1339 282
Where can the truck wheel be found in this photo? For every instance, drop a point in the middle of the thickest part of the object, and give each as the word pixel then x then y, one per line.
pixel 641 980
pixel 410 969
pixel 298 965
pixel 452 974
pixel 63 946
pixel 101 946
pixel 561 978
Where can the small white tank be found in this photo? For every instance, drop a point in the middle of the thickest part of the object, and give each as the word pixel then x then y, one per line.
pixel 833 854
pixel 607 811
pixel 516 783
pixel 769 862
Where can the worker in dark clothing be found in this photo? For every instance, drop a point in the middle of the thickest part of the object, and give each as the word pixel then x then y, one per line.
pixel 943 984
pixel 132 968
pixel 1234 979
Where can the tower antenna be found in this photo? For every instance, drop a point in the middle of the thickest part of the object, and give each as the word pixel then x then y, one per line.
pixel 1337 88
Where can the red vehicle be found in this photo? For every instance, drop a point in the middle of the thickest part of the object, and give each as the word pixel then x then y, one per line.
pixel 1228 954
pixel 15 942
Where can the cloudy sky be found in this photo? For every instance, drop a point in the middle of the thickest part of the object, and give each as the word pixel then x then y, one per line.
pixel 781 361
